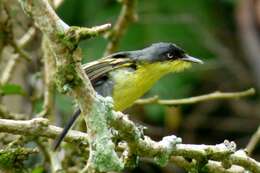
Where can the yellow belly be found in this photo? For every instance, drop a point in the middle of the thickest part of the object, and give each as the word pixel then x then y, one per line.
pixel 131 85
pixel 126 92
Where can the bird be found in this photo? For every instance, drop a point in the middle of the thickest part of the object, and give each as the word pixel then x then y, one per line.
pixel 128 75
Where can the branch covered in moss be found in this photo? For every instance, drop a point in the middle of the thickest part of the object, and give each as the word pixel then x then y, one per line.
pixel 163 151
pixel 12 158
pixel 191 100
pixel 71 78
pixel 210 167
pixel 39 127
pixel 170 146
pixel 75 34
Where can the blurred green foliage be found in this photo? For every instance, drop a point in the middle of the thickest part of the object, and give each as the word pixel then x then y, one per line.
pixel 11 89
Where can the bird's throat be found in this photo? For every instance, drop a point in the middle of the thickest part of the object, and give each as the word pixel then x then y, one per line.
pixel 130 85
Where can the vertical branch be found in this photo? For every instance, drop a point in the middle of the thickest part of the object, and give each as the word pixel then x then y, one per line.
pixel 54 160
pixel 49 71
pixel 127 15
pixel 3 27
pixel 71 78
pixel 50 157
pixel 6 39
pixel 9 69
pixel 9 40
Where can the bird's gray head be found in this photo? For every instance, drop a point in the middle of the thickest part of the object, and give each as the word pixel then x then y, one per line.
pixel 159 52
pixel 162 52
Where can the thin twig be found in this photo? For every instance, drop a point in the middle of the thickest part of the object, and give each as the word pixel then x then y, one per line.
pixel 11 64
pixel 49 87
pixel 126 16
pixel 191 100
pixel 4 27
pixel 27 37
pixel 18 47
pixel 12 41
pixel 9 69
pixel 20 51
pixel 253 142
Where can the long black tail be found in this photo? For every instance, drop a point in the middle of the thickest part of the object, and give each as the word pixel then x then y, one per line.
pixel 66 129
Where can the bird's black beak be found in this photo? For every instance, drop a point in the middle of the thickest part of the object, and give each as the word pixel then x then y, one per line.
pixel 191 59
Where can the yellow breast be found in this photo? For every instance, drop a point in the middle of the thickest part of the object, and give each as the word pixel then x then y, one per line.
pixel 131 85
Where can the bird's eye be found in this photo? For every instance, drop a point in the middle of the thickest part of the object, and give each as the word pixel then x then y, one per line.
pixel 169 55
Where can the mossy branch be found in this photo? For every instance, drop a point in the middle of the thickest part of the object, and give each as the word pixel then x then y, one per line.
pixel 169 149
pixel 12 158
pixel 71 78
pixel 75 34
pixel 39 127
pixel 162 152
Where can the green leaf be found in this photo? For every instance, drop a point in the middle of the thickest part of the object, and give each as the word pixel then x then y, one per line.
pixel 11 89
pixel 38 170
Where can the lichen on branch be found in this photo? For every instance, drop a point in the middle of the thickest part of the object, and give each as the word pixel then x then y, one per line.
pixel 70 77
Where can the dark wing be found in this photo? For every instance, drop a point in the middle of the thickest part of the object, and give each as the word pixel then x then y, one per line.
pixel 96 70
